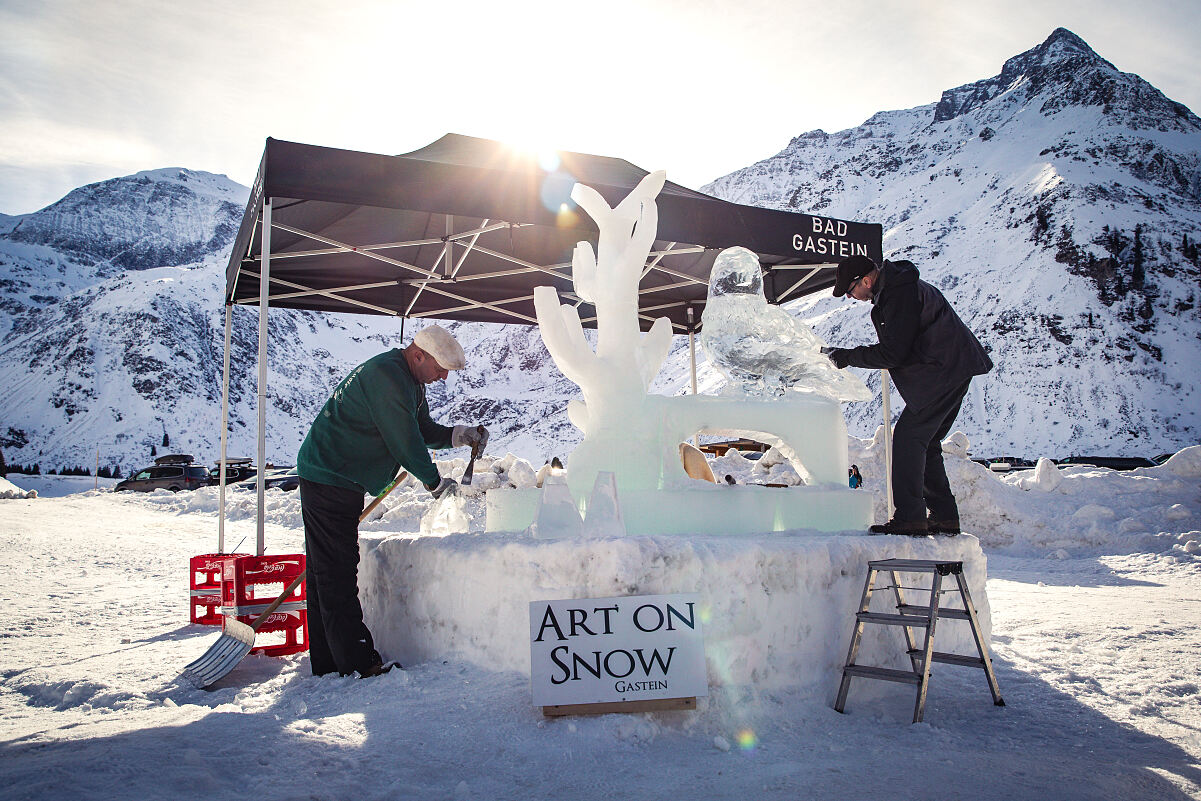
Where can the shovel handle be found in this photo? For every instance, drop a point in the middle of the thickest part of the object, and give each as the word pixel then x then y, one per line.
pixel 266 613
pixel 401 476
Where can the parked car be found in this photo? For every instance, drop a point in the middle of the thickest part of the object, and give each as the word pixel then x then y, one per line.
pixel 174 472
pixel 1112 462
pixel 235 470
pixel 1003 464
pixel 286 480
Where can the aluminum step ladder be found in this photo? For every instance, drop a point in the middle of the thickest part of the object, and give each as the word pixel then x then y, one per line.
pixel 909 617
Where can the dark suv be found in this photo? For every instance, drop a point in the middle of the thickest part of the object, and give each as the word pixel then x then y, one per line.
pixel 235 470
pixel 175 472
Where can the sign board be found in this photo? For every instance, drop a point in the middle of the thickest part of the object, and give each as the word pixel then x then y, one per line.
pixel 604 650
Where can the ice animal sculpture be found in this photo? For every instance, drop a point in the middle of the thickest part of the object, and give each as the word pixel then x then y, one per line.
pixel 636 436
pixel 761 348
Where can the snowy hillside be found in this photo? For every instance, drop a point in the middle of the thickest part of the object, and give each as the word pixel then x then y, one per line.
pixel 1018 195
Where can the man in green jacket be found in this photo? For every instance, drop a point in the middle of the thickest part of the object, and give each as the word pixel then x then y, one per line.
pixel 376 422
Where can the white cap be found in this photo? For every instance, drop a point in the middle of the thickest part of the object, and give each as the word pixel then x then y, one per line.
pixel 437 342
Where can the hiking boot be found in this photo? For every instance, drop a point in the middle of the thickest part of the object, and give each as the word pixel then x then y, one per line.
pixel 378 668
pixel 947 528
pixel 909 528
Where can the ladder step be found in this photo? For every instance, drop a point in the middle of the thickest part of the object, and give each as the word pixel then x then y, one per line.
pixel 893 620
pixel 957 614
pixel 887 674
pixel 917 565
pixel 951 659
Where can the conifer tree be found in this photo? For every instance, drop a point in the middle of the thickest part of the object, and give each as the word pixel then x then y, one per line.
pixel 1148 311
pixel 3 466
pixel 1138 274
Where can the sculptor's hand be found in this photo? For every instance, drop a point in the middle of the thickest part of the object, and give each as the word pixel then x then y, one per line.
pixel 446 485
pixel 839 356
pixel 475 437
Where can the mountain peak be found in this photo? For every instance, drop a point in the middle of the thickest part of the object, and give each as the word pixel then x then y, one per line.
pixel 154 218
pixel 1062 44
pixel 1068 72
pixel 1061 49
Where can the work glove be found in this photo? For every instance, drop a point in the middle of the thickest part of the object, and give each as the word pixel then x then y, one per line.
pixel 475 437
pixel 446 485
pixel 839 356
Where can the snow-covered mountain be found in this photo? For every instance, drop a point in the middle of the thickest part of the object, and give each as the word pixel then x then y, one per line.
pixel 1019 196
pixel 1057 205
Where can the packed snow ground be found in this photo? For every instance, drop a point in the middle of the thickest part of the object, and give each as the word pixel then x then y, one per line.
pixel 1095 594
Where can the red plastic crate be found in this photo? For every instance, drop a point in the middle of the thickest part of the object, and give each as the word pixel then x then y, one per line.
pixel 248 586
pixel 205 587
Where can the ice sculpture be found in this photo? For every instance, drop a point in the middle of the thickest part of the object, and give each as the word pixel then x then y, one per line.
pixel 614 415
pixel 604 510
pixel 445 516
pixel 557 514
pixel 760 348
pixel 636 436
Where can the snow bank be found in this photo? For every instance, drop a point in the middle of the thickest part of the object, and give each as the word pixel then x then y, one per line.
pixel 1049 508
pixel 9 490
pixel 776 609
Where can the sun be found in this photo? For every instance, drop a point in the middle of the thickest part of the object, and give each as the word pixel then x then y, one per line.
pixel 537 146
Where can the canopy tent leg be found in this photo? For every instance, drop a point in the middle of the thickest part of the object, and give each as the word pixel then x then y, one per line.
pixel 224 430
pixel 264 285
pixel 692 359
pixel 884 394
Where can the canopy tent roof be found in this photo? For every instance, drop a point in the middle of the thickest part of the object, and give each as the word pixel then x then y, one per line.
pixel 465 228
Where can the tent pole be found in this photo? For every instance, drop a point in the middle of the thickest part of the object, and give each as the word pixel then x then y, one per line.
pixel 224 430
pixel 264 292
pixel 692 358
pixel 884 390
pixel 692 346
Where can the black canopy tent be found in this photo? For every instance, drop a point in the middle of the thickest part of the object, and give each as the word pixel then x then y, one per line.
pixel 466 228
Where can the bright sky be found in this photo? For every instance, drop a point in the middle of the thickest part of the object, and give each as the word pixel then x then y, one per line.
pixel 93 90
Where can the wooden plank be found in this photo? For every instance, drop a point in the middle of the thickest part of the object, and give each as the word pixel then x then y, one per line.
pixel 622 707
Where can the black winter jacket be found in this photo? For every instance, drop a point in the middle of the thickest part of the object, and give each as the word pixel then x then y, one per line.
pixel 923 344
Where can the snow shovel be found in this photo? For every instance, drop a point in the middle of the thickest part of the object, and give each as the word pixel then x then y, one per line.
pixel 237 638
pixel 235 642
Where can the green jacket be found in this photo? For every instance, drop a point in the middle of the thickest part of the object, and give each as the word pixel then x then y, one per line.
pixel 376 421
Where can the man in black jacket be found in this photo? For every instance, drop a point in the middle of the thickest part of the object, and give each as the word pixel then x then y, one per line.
pixel 931 356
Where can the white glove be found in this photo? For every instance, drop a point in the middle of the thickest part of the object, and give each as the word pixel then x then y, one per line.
pixel 446 485
pixel 469 436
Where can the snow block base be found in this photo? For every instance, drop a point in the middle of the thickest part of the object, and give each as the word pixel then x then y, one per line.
pixel 707 509
pixel 777 609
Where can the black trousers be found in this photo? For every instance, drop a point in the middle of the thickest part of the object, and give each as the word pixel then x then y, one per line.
pixel 338 638
pixel 919 480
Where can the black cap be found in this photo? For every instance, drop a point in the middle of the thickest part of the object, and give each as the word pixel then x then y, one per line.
pixel 849 270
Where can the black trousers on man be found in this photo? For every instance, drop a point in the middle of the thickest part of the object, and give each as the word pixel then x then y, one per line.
pixel 919 480
pixel 338 638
